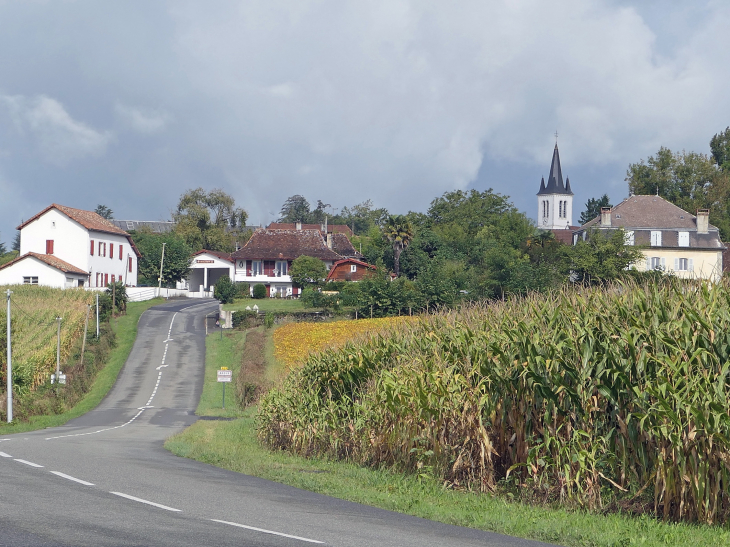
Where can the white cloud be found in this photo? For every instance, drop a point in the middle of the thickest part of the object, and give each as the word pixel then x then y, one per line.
pixel 60 138
pixel 143 120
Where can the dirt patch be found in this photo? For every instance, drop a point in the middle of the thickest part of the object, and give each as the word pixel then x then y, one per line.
pixel 251 382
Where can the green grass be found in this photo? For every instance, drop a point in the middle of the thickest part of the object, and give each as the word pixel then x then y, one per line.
pixel 233 445
pixel 268 304
pixel 126 333
pixel 221 352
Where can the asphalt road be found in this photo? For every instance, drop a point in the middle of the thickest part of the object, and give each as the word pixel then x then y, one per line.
pixel 105 480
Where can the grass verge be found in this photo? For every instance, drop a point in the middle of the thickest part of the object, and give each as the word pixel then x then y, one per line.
pixel 220 352
pixel 126 333
pixel 233 445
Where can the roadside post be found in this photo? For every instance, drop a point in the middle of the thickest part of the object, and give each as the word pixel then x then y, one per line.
pixel 9 372
pixel 225 376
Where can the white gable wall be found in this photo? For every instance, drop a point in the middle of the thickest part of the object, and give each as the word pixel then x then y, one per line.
pixel 107 264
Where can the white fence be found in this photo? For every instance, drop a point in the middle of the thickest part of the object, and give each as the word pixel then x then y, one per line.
pixel 138 294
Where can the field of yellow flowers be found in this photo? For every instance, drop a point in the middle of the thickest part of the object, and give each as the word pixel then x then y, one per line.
pixel 295 341
pixel 33 322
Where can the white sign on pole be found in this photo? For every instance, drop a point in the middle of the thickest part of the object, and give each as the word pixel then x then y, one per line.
pixel 225 375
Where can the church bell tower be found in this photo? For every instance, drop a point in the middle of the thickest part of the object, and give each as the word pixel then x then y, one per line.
pixel 555 200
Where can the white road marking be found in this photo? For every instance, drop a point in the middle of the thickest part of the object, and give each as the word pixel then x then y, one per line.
pixel 4 455
pixel 146 501
pixel 26 462
pixel 69 477
pixel 267 531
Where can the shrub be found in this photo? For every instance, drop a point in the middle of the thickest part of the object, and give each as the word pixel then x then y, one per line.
pixel 259 291
pixel 243 290
pixel 225 290
pixel 269 320
pixel 117 293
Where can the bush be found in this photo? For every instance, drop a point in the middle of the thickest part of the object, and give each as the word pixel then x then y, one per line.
pixel 117 293
pixel 259 291
pixel 225 290
pixel 243 290
pixel 269 320
pixel 245 319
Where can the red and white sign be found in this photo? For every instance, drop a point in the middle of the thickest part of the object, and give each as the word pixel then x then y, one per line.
pixel 225 375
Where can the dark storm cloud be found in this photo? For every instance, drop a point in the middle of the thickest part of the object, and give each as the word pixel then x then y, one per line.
pixel 129 104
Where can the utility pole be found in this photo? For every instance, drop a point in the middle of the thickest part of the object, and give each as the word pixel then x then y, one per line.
pixel 97 315
pixel 10 367
pixel 58 349
pixel 159 286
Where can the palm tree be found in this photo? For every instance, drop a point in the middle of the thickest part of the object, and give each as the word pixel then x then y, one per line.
pixel 399 232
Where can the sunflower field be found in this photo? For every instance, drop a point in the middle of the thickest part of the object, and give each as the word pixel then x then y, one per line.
pixel 294 342
pixel 34 310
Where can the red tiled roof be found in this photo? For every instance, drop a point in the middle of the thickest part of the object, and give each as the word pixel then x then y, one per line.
pixel 217 254
pixel 285 245
pixel 51 260
pixel 342 246
pixel 88 219
pixel 648 212
pixel 565 236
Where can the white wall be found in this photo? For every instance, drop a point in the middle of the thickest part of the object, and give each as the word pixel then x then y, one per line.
pixel 72 244
pixel 32 267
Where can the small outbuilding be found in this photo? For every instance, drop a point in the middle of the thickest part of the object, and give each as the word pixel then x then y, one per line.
pixel 42 269
pixel 349 269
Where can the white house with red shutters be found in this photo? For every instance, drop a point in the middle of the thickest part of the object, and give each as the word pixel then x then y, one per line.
pixel 66 247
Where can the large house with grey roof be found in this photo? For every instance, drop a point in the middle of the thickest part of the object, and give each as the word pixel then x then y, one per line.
pixel 66 247
pixel 673 239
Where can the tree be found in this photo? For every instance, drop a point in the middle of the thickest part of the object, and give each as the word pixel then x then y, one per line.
pixel 593 208
pixel 602 257
pixel 399 232
pixel 177 257
pixel 16 241
pixel 3 250
pixel 689 180
pixel 295 209
pixel 209 220
pixel 225 290
pixel 307 271
pixel 720 147
pixel 104 212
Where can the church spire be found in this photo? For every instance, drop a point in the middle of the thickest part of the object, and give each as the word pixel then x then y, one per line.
pixel 555 178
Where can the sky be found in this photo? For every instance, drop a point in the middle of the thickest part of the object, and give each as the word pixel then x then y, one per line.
pixel 129 104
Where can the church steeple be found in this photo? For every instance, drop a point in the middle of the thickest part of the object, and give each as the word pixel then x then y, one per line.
pixel 555 199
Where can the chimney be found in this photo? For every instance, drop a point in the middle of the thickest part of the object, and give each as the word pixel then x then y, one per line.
pixel 299 226
pixel 329 241
pixel 703 221
pixel 605 216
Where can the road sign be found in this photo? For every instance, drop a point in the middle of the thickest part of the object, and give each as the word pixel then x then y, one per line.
pixel 225 375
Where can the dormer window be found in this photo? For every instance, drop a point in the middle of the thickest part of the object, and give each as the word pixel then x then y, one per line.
pixel 656 238
pixel 683 239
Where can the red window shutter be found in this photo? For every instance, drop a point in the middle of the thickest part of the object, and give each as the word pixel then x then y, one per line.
pixel 120 252
pixel 106 279
pixel 113 277
pixel 130 264
pixel 49 246
pixel 104 249
pixel 97 279
pixel 92 249
pixel 111 250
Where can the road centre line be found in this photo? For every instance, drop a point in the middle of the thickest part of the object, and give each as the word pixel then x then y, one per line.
pixel 267 531
pixel 4 455
pixel 26 462
pixel 141 409
pixel 69 477
pixel 146 501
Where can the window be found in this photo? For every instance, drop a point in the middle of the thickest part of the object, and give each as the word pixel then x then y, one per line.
pixel 120 251
pixel 257 268
pixel 629 237
pixel 30 280
pixel 683 239
pixel 129 264
pixel 97 279
pixel 281 268
pixel 560 209
pixel 111 250
pixel 353 267
pixel 656 238
pixel 92 247
pixel 655 263
pixel 100 248
pixel 106 279
pixel 49 246
pixel 683 264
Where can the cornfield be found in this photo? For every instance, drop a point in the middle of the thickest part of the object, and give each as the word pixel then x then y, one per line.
pixel 294 342
pixel 577 397
pixel 34 331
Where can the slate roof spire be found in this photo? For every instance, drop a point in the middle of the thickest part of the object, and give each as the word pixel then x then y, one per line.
pixel 555 179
